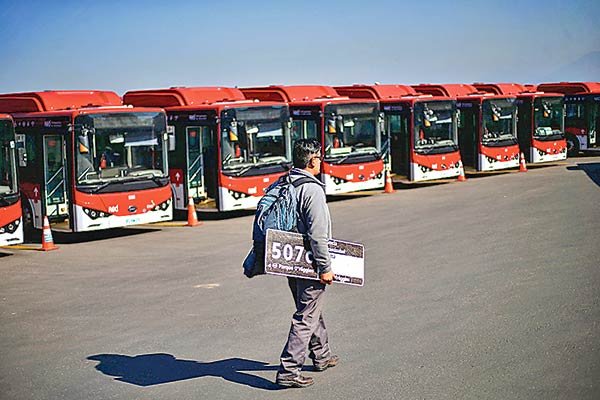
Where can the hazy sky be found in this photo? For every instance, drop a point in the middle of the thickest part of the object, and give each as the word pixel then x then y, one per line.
pixel 121 45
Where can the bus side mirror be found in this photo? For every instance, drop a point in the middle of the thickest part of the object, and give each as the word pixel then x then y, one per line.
pixel 170 137
pixel 232 131
pixel 21 152
pixel 84 144
pixel 331 126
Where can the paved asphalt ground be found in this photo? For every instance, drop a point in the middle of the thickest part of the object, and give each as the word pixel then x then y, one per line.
pixel 488 289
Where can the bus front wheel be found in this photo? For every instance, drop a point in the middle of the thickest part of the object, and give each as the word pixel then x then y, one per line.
pixel 572 145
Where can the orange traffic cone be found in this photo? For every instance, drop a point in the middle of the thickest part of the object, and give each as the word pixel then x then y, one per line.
pixel 389 186
pixel 47 241
pixel 192 218
pixel 461 175
pixel 522 165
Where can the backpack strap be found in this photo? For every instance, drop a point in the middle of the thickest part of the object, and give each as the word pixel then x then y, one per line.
pixel 302 181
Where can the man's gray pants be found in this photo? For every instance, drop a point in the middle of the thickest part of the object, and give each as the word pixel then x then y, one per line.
pixel 308 330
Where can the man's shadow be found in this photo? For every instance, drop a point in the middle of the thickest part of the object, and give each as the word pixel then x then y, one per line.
pixel 155 369
pixel 591 169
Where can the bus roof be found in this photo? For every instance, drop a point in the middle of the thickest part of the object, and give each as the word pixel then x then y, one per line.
pixel 288 94
pixel 570 87
pixel 522 91
pixel 53 100
pixel 460 91
pixel 376 92
pixel 500 88
pixel 183 96
pixel 386 93
pixel 446 90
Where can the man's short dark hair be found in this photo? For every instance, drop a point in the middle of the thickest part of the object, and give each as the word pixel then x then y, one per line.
pixel 304 150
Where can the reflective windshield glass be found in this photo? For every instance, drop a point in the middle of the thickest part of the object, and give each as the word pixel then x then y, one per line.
pixel 119 146
pixel 548 118
pixel 435 125
pixel 254 137
pixel 351 129
pixel 593 121
pixel 8 183
pixel 499 122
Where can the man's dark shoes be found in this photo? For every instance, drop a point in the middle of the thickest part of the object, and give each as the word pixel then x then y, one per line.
pixel 332 362
pixel 298 381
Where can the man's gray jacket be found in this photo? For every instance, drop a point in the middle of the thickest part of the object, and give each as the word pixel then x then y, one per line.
pixel 313 217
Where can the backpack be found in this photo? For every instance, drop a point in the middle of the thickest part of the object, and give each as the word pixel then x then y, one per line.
pixel 277 209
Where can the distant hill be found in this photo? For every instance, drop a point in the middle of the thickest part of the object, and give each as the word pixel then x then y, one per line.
pixel 585 68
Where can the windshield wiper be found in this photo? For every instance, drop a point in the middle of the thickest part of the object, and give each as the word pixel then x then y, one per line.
pixel 99 188
pixel 244 170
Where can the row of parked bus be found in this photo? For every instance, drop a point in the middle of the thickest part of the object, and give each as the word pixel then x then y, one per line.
pixel 92 160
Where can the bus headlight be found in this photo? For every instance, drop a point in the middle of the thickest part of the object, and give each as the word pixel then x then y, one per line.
pixel 95 214
pixel 162 206
pixel 237 195
pixel 11 227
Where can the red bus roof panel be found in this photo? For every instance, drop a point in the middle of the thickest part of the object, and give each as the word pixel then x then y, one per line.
pixel 290 93
pixel 376 92
pixel 500 88
pixel 52 100
pixel 570 87
pixel 447 90
pixel 182 96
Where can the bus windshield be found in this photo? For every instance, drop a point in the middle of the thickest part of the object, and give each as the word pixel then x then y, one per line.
pixel 351 130
pixel 435 127
pixel 8 183
pixel 254 137
pixel 119 146
pixel 548 118
pixel 499 122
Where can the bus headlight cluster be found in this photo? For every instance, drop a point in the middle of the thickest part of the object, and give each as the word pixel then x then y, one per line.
pixel 425 168
pixel 95 214
pixel 162 206
pixel 10 228
pixel 237 195
pixel 490 159
pixel 338 181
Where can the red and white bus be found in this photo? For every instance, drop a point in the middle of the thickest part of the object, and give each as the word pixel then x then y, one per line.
pixel 540 126
pixel 11 221
pixel 225 150
pixel 87 162
pixel 422 130
pixel 350 131
pixel 487 131
pixel 582 114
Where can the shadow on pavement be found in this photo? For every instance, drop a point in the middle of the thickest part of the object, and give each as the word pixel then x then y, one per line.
pixel 591 169
pixel 159 368
pixel 82 237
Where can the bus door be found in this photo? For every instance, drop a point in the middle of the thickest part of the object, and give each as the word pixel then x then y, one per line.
pixel 55 190
pixel 196 182
pixel 525 126
pixel 398 128
pixel 467 136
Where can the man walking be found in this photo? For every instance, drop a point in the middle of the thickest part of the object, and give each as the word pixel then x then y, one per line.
pixel 308 330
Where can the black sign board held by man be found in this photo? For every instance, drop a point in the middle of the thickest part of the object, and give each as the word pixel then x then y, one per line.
pixel 286 253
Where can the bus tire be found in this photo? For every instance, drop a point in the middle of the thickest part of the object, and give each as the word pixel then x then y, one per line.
pixel 572 145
